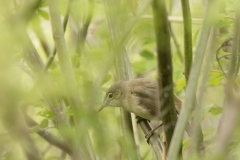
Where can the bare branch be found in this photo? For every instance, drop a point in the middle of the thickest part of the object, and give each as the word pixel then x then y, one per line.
pixel 49 137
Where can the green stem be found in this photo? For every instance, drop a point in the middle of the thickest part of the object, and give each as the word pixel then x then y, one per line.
pixel 123 70
pixel 165 70
pixel 65 22
pixel 69 79
pixel 187 23
pixel 192 83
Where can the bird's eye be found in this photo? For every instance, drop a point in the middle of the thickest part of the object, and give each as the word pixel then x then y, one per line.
pixel 110 95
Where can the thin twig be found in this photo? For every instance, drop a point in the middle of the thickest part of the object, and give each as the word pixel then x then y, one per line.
pixel 154 140
pixel 49 137
pixel 179 53
pixel 82 33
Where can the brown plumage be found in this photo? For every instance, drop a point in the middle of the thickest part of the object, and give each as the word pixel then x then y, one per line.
pixel 139 96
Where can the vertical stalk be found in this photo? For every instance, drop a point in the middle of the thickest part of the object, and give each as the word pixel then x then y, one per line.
pixel 65 22
pixel 123 70
pixel 187 23
pixel 197 137
pixel 192 83
pixel 231 106
pixel 69 78
pixel 165 70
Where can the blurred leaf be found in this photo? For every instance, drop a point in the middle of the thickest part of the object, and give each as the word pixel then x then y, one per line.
pixel 150 64
pixel 47 114
pixel 147 54
pixel 222 16
pixel 75 60
pixel 139 67
pixel 104 89
pixel 181 83
pixel 206 134
pixel 185 144
pixel 107 78
pixel 43 14
pixel 35 22
pixel 68 112
pixel 209 141
pixel 205 110
pixel 216 110
pixel 44 3
pixel 215 78
pixel 44 123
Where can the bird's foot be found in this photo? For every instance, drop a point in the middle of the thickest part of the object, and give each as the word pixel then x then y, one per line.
pixel 152 132
pixel 149 135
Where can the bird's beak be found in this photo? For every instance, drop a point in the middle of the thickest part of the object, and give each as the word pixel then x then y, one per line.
pixel 101 108
pixel 105 104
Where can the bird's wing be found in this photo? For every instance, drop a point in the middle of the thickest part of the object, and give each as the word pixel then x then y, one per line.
pixel 147 92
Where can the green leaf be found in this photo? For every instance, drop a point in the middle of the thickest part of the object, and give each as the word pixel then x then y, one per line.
pixel 43 14
pixel 205 110
pixel 181 83
pixel 215 78
pixel 216 110
pixel 147 54
pixel 44 123
pixel 47 114
pixel 68 112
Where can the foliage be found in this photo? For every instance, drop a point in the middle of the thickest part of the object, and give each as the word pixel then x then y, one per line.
pixel 71 120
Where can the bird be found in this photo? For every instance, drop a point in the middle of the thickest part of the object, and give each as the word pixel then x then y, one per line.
pixel 139 96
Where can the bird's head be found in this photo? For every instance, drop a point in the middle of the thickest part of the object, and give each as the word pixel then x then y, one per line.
pixel 113 96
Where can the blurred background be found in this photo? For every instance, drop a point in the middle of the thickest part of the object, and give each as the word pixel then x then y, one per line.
pixel 41 95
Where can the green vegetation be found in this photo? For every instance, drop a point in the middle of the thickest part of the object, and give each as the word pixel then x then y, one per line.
pixel 58 58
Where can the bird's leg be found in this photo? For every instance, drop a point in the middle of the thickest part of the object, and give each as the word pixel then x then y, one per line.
pixel 148 136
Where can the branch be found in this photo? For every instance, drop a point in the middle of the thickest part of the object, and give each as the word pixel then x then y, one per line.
pixel 167 109
pixel 49 137
pixel 192 83
pixel 154 140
